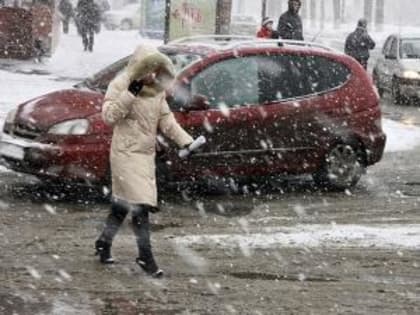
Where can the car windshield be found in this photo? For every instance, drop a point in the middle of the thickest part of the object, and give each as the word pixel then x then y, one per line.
pixel 100 80
pixel 410 48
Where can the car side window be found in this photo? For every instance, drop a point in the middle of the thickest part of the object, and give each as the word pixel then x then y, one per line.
pixel 324 74
pixel 231 82
pixel 287 76
pixel 280 78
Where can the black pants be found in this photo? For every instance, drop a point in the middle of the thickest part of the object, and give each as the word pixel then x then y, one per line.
pixel 88 38
pixel 363 62
pixel 141 226
pixel 66 22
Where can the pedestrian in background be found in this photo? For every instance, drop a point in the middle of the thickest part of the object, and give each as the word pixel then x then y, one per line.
pixel 359 42
pixel 88 19
pixel 66 10
pixel 290 23
pixel 266 30
pixel 135 106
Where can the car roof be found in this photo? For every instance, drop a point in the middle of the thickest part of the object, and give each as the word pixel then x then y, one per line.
pixel 213 44
pixel 406 35
pixel 197 49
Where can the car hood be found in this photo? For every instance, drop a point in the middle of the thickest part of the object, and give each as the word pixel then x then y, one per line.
pixel 411 64
pixel 49 109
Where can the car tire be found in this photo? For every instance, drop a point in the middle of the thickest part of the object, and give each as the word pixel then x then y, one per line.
pixel 397 98
pixel 342 168
pixel 126 25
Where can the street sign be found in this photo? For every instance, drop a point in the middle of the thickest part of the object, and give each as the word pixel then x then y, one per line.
pixel 192 17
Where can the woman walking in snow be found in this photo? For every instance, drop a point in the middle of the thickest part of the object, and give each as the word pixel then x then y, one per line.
pixel 135 106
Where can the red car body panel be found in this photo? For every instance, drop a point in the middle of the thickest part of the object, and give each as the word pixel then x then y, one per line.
pixel 288 136
pixel 59 106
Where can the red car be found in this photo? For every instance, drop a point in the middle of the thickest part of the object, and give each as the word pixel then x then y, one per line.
pixel 267 108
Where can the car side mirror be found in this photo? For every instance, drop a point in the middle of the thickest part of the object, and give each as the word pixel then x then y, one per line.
pixel 197 102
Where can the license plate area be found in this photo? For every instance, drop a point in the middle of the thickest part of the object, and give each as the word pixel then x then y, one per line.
pixel 12 151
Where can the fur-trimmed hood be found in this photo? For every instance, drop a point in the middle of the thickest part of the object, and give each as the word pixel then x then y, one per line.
pixel 147 59
pixel 136 121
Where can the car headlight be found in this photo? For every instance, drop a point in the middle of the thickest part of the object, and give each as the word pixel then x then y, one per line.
pixel 70 127
pixel 410 74
pixel 10 118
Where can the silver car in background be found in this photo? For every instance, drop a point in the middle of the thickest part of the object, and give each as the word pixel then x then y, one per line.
pixel 397 70
pixel 125 18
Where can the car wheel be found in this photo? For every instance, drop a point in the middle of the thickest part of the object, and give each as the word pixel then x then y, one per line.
pixel 397 98
pixel 342 168
pixel 126 25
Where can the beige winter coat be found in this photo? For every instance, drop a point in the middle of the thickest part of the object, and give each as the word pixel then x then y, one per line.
pixel 136 121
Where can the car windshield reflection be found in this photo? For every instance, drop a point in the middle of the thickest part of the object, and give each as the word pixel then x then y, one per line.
pixel 410 48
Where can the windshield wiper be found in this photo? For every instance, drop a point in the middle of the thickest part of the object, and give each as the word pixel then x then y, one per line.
pixel 85 83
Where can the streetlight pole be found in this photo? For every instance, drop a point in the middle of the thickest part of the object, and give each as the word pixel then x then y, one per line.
pixel 166 36
pixel 223 13
pixel 263 9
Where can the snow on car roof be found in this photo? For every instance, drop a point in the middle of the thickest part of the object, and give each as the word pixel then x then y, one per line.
pixel 213 43
pixel 408 35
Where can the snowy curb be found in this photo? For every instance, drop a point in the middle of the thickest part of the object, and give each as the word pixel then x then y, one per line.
pixel 312 236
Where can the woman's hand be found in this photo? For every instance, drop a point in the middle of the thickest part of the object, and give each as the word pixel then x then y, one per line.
pixel 136 86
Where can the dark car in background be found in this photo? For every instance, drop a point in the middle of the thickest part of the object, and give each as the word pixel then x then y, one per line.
pixel 267 108
pixel 398 68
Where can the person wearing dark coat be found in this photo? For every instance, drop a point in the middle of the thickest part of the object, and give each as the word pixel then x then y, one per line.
pixel 358 44
pixel 290 23
pixel 66 10
pixel 88 19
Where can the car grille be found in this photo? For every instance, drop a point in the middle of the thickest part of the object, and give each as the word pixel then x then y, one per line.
pixel 23 131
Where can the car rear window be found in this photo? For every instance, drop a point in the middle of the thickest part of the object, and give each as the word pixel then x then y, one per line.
pixel 325 74
pixel 284 77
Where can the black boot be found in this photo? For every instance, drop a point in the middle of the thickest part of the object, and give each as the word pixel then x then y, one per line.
pixel 103 249
pixel 148 264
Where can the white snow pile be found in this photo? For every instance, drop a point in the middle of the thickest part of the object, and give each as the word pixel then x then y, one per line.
pixel 400 137
pixel 313 236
